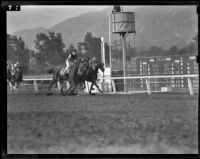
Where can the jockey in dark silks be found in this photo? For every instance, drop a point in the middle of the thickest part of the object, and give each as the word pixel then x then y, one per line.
pixel 93 63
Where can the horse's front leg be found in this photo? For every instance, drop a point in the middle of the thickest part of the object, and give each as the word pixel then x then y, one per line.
pixel 51 84
pixel 83 86
pixel 15 88
pixel 11 86
pixel 74 88
pixel 60 87
pixel 91 88
pixel 69 89
pixel 98 87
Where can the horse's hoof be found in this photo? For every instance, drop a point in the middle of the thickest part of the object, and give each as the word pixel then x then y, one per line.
pixel 92 94
pixel 49 93
pixel 38 93
pixel 63 94
pixel 72 94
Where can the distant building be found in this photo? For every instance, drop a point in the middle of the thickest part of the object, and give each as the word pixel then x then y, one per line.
pixel 161 65
pixel 169 65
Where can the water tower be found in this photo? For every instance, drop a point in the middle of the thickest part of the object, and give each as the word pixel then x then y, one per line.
pixel 123 23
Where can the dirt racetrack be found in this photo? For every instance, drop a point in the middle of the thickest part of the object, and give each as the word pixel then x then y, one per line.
pixel 139 123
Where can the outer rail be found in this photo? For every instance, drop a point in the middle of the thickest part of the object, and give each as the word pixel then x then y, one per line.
pixel 49 77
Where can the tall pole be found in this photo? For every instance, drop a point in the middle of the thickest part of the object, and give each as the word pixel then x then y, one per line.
pixel 109 34
pixel 103 59
pixel 124 59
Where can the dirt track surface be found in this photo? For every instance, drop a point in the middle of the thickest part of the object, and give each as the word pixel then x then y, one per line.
pixel 159 123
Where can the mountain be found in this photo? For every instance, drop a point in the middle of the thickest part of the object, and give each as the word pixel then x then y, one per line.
pixel 155 26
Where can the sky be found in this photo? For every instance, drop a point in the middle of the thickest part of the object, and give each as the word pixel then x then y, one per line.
pixel 44 16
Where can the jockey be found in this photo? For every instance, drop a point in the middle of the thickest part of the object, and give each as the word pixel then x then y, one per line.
pixel 16 66
pixel 71 60
pixel 93 63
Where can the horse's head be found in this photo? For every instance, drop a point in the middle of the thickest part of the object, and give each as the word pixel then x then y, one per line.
pixel 102 68
pixel 100 65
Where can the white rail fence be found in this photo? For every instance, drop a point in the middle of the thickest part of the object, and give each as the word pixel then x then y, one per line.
pixel 108 84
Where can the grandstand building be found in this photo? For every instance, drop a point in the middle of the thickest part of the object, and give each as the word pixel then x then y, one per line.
pixel 169 65
pixel 162 65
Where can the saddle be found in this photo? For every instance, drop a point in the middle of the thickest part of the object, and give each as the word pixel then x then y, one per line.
pixel 63 71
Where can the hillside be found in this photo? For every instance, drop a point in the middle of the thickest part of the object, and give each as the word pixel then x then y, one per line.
pixel 159 26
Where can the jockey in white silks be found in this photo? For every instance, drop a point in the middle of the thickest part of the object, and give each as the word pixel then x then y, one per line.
pixel 70 61
pixel 14 67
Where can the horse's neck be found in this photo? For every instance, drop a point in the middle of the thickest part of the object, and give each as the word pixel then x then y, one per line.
pixel 93 72
pixel 96 69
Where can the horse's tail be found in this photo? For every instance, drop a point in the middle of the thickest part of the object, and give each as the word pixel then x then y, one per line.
pixel 50 70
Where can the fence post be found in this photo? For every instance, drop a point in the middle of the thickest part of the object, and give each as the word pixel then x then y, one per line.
pixel 35 85
pixel 148 86
pixel 113 86
pixel 190 86
pixel 88 87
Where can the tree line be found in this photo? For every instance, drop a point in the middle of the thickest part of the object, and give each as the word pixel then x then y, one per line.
pixel 191 48
pixel 17 51
pixel 50 50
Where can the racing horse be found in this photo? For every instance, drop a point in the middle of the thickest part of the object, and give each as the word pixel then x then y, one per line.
pixel 61 77
pixel 14 77
pixel 77 75
pixel 9 76
pixel 58 76
pixel 92 76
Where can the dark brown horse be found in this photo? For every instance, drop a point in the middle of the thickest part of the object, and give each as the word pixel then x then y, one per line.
pixel 76 72
pixel 77 75
pixel 92 76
